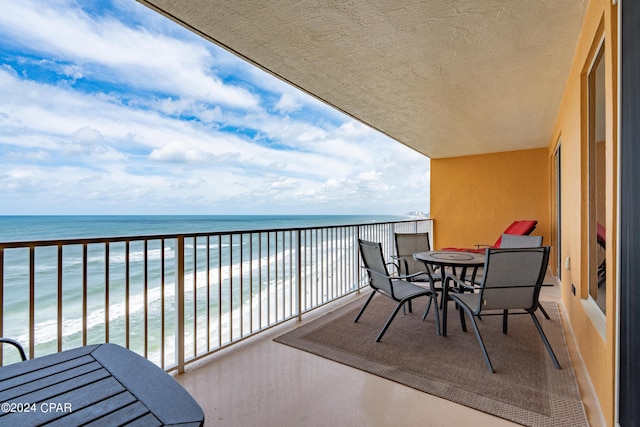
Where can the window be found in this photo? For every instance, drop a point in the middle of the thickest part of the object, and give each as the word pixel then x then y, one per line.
pixel 597 180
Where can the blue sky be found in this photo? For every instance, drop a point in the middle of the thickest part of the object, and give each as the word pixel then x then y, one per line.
pixel 106 107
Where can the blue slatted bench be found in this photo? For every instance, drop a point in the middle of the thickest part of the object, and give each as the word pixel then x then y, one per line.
pixel 102 384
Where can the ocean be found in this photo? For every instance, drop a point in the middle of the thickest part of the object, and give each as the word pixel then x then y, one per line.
pixel 262 261
pixel 21 228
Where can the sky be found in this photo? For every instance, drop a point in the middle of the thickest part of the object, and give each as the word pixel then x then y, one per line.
pixel 107 107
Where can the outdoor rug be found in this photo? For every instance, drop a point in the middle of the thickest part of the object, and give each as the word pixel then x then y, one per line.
pixel 526 388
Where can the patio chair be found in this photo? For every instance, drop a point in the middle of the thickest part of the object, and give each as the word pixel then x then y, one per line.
pixel 516 241
pixel 519 241
pixel 406 245
pixel 399 289
pixel 512 281
pixel 16 344
pixel 519 228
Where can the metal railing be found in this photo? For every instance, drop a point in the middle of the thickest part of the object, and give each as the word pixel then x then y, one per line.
pixel 176 298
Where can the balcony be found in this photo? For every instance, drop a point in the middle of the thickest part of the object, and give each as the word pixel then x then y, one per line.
pixel 206 308
pixel 261 382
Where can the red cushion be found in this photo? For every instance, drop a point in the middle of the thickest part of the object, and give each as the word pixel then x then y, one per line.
pixel 520 228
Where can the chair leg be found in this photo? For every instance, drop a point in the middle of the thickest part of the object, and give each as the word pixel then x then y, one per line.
pixel 364 306
pixel 463 322
pixel 505 316
pixel 424 316
pixel 484 349
pixel 437 311
pixel 544 313
pixel 386 325
pixel 444 302
pixel 546 342
pixel 405 306
pixel 433 299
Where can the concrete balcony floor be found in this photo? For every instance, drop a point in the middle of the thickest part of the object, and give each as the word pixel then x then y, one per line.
pixel 262 383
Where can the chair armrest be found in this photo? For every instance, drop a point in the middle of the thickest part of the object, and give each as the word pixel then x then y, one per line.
pixel 16 344
pixel 446 288
pixel 409 276
pixel 398 269
pixel 460 283
pixel 402 261
pixel 395 277
pixel 390 276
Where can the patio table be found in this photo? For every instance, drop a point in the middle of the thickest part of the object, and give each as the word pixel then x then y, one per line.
pixel 102 384
pixel 455 261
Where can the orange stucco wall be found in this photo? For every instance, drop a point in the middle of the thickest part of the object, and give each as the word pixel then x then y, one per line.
pixel 474 198
pixel 595 334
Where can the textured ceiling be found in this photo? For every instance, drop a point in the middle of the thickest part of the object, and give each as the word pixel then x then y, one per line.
pixel 446 77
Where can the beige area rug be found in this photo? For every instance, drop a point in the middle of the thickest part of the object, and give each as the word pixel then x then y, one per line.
pixel 526 388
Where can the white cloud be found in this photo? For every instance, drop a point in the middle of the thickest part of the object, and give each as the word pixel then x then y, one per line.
pixel 175 151
pixel 127 55
pixel 369 176
pixel 283 183
pixel 87 135
pixel 202 145
pixel 287 103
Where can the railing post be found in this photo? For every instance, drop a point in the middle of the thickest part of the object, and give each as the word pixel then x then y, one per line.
pixel 180 303
pixel 127 291
pixel 358 278
pixel 85 292
pixel 32 301
pixel 1 301
pixel 299 274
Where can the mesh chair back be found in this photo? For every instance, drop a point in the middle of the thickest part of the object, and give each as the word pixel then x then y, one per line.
pixel 406 245
pixel 371 253
pixel 517 241
pixel 520 270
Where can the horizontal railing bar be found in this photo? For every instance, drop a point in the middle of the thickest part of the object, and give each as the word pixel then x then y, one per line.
pixel 92 240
